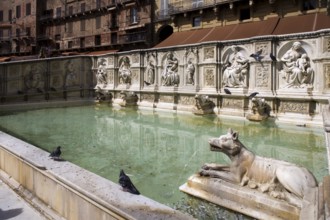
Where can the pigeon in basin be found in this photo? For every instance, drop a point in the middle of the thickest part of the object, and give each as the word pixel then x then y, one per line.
pixel 127 184
pixel 56 153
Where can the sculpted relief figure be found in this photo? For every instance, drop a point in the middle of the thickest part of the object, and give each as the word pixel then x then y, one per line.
pixel 150 73
pixel 280 179
pixel 170 75
pixel 101 74
pixel 125 74
pixel 71 78
pixel 297 71
pixel 236 69
pixel 34 78
pixel 190 72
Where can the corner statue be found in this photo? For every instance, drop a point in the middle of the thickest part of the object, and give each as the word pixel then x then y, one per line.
pixel 280 179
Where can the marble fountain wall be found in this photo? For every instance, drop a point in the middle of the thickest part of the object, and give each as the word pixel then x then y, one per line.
pixel 169 78
pixel 295 95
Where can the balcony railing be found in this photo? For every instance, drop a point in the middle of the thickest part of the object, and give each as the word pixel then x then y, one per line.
pixel 4 38
pixel 190 5
pixel 133 37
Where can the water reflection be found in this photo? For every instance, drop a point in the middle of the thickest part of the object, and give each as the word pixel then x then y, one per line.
pixel 159 150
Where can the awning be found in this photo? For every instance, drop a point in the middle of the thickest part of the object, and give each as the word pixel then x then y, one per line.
pixel 4 59
pixel 271 26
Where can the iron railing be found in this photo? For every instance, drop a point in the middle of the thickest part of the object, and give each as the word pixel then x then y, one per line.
pixel 189 5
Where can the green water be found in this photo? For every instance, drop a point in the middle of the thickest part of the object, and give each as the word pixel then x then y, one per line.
pixel 159 150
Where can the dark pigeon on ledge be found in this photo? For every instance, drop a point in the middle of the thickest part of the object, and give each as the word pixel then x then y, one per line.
pixel 272 57
pixel 227 91
pixel 127 184
pixel 56 153
pixel 253 94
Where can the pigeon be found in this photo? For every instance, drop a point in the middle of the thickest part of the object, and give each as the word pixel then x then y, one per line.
pixel 20 92
pixel 127 184
pixel 53 89
pixel 39 90
pixel 227 91
pixel 272 57
pixel 257 55
pixel 253 94
pixel 147 83
pixel 56 153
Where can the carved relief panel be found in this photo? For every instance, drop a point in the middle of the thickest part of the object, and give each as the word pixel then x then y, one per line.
pixel 166 98
pixel 101 72
pixel 135 76
pixel 34 76
pixel 326 71
pixel 232 103
pixel 297 68
pixel 124 72
pixel 148 97
pixel 263 76
pixel 187 100
pixel 326 43
pixel 209 77
pixel 170 66
pixel 235 67
pixel 209 53
pixel 294 107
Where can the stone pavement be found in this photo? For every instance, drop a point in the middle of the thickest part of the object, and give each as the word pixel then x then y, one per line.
pixel 13 207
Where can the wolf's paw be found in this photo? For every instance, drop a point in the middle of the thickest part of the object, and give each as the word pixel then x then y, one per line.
pixel 203 172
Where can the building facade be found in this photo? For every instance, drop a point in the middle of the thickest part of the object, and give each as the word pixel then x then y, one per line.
pixel 59 26
pixel 178 15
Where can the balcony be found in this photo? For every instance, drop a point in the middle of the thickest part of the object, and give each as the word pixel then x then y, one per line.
pixel 178 7
pixel 4 39
pixel 162 15
pixel 133 37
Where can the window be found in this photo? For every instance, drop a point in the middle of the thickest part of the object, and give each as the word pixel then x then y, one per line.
pixel 82 42
pixel 309 5
pixel 1 34
pixel 113 20
pixel 163 8
pixel 133 15
pixel 10 15
pixel 58 12
pixel 57 37
pixel 98 22
pixel 70 27
pixel 98 3
pixel 18 11
pixel 83 7
pixel 244 14
pixel 28 31
pixel 113 38
pixel 82 25
pixel 197 3
pixel 71 10
pixel 28 9
pixel 18 32
pixel 197 22
pixel 1 16
pixel 97 40
pixel 70 44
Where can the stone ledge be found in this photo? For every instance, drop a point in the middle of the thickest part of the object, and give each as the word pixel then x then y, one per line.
pixel 63 184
